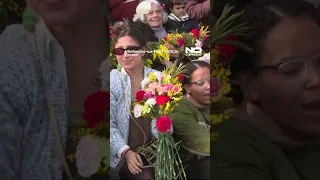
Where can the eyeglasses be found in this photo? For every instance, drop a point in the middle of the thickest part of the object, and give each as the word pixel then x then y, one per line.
pixel 129 50
pixel 201 83
pixel 294 69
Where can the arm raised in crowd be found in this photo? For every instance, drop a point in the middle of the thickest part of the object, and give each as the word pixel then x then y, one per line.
pixel 198 9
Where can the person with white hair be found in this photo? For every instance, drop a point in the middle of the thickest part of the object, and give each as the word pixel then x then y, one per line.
pixel 152 21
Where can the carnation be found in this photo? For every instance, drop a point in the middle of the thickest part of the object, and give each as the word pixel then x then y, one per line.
pixel 89 154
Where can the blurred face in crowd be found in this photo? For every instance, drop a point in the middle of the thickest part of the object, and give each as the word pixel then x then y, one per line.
pixel 64 12
pixel 199 87
pixel 154 17
pixel 129 53
pixel 288 86
pixel 179 10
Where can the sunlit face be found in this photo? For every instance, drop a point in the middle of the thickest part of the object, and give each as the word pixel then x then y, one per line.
pixel 291 98
pixel 129 61
pixel 179 10
pixel 199 88
pixel 64 12
pixel 154 17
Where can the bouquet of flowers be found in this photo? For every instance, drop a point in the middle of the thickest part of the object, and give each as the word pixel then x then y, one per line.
pixel 180 41
pixel 92 140
pixel 223 42
pixel 159 96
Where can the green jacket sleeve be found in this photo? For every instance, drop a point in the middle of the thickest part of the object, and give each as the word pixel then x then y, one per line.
pixel 194 137
pixel 239 153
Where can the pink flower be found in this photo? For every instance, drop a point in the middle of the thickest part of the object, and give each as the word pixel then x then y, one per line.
pixel 180 42
pixel 205 38
pixel 169 87
pixel 215 86
pixel 161 90
pixel 152 87
pixel 176 89
pixel 148 94
pixel 198 43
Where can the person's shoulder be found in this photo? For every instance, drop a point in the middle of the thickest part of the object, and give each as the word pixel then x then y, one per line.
pixel 114 75
pixel 16 49
pixel 185 107
pixel 14 35
pixel 251 144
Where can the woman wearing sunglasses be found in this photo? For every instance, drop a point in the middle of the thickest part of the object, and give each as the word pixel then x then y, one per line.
pixel 276 135
pixel 191 121
pixel 127 134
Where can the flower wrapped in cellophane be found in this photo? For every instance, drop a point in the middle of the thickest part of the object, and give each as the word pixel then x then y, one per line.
pixel 160 94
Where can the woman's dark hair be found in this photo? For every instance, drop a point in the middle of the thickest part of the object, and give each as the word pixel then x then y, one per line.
pixel 177 2
pixel 191 67
pixel 135 34
pixel 262 16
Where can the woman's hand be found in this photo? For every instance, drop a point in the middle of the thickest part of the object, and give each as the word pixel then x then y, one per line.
pixel 172 48
pixel 134 162
pixel 168 64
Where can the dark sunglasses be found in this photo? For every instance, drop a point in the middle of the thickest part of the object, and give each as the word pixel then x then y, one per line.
pixel 130 50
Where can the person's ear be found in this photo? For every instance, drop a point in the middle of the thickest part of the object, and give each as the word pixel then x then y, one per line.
pixel 187 87
pixel 249 85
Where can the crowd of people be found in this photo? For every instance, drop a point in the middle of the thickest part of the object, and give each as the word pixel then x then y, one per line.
pixel 150 21
pixel 60 56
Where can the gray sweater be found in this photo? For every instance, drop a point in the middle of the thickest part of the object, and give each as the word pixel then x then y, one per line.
pixel 27 144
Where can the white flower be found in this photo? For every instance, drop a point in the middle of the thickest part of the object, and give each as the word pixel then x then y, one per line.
pixel 205 58
pixel 145 82
pixel 137 110
pixel 151 102
pixel 89 154
pixel 159 76
pixel 105 74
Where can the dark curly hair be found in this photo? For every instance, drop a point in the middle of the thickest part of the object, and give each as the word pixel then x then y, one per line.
pixel 262 16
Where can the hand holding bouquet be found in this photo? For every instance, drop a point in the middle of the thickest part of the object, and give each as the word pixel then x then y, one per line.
pixel 160 94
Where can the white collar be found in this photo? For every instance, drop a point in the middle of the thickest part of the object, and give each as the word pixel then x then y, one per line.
pixel 178 19
pixel 44 34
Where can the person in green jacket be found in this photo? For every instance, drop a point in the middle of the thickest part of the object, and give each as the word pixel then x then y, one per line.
pixel 275 134
pixel 191 121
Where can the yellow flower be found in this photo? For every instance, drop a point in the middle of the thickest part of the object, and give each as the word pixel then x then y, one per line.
pixel 152 77
pixel 204 31
pixel 162 53
pixel 167 108
pixel 148 63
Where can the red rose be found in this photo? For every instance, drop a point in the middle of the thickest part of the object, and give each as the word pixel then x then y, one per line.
pixel 180 42
pixel 163 124
pixel 140 95
pixel 96 106
pixel 195 33
pixel 181 76
pixel 162 99
pixel 227 51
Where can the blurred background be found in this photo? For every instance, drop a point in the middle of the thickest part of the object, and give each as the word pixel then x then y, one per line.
pixel 10 12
